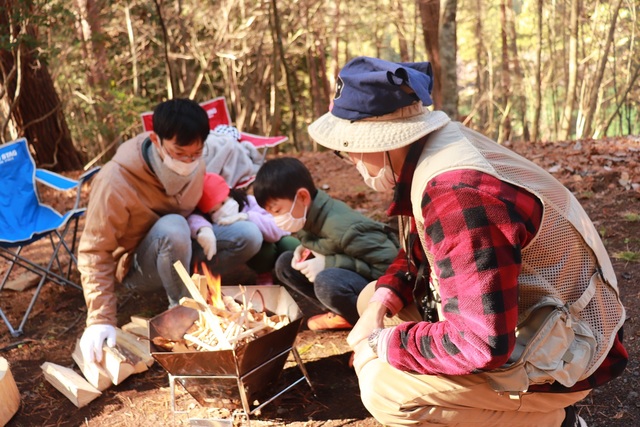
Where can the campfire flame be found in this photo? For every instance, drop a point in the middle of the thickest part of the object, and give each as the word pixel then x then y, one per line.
pixel 213 284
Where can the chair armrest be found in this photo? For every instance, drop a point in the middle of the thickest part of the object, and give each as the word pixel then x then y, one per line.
pixel 55 180
pixel 88 174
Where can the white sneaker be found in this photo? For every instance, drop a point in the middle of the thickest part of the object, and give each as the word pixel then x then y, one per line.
pixel 580 422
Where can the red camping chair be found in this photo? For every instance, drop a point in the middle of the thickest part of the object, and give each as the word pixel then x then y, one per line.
pixel 219 115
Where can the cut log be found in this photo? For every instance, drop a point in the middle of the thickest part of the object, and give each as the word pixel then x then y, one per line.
pixel 93 372
pixel 118 365
pixel 26 280
pixel 70 383
pixel 9 394
pixel 136 349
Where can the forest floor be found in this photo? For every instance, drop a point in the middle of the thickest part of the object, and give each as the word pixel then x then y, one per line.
pixel 603 174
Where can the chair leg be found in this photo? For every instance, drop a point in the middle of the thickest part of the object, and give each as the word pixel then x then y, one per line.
pixel 14 333
pixel 12 263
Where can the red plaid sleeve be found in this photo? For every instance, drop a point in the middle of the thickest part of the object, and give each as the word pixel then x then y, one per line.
pixel 476 227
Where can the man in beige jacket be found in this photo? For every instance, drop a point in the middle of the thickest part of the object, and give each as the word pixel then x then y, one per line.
pixel 136 226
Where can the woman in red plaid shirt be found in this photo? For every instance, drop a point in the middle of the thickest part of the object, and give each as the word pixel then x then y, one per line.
pixel 508 306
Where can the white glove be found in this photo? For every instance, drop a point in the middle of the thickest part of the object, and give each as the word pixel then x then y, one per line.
pixel 93 339
pixel 312 267
pixel 226 220
pixel 228 208
pixel 297 256
pixel 207 240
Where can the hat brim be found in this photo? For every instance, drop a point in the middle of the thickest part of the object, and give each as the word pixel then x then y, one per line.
pixel 371 136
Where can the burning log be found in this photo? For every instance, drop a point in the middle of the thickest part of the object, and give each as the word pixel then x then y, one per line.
pixel 224 323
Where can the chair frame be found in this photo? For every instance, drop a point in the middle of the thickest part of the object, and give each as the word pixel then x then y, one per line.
pixel 11 251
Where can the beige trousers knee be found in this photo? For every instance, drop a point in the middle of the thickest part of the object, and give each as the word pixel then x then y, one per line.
pixel 397 398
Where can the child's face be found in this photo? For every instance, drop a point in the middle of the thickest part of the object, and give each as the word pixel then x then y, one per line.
pixel 281 206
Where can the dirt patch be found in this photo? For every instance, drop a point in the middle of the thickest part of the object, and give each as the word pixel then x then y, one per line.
pixel 603 174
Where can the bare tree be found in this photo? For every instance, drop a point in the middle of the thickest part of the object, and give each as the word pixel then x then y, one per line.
pixel 592 99
pixel 448 46
pixel 430 18
pixel 28 92
pixel 570 96
pixel 537 103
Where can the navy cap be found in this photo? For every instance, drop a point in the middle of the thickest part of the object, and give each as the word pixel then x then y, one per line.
pixel 370 87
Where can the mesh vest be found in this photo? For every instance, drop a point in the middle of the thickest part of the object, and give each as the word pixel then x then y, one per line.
pixel 565 260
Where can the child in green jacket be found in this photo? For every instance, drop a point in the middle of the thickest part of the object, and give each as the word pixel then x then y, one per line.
pixel 341 250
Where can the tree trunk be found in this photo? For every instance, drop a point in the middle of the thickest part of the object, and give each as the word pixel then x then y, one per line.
pixel 518 84
pixel 31 98
pixel 401 31
pixel 570 97
pixel 448 55
pixel 92 35
pixel 430 17
pixel 505 123
pixel 597 80
pixel 537 106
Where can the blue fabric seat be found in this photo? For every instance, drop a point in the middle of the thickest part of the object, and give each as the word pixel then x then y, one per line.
pixel 24 220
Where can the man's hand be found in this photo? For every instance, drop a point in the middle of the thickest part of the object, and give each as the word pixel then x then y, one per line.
pixel 207 240
pixel 312 267
pixel 372 318
pixel 93 339
pixel 362 354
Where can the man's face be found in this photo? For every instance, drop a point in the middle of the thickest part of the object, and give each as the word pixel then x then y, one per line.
pixel 182 153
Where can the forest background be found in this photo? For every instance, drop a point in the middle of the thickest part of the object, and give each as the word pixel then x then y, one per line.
pixel 75 75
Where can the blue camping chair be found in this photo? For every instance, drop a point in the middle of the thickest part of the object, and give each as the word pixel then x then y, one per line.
pixel 25 220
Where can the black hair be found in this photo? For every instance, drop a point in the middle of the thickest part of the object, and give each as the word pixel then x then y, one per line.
pixel 281 178
pixel 183 118
pixel 240 196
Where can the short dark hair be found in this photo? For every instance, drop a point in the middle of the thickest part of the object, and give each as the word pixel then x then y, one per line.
pixel 281 178
pixel 183 118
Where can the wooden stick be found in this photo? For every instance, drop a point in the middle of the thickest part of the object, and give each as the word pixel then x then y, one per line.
pixel 211 319
pixel 198 342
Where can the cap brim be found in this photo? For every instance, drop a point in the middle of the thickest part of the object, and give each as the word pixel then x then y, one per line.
pixel 364 136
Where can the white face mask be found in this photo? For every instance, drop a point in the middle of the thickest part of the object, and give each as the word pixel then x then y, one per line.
pixel 288 222
pixel 385 180
pixel 228 208
pixel 181 168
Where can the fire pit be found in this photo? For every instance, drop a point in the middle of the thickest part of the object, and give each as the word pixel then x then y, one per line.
pixel 239 376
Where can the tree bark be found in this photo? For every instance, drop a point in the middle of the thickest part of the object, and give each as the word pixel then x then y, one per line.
pixel 448 55
pixel 537 105
pixel 430 17
pixel 31 98
pixel 505 122
pixel 570 97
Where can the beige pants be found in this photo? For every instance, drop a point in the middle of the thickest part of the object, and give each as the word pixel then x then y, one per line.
pixel 397 398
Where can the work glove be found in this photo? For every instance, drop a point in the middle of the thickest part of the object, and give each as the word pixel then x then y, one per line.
pixel 93 339
pixel 228 208
pixel 300 253
pixel 226 220
pixel 207 240
pixel 312 267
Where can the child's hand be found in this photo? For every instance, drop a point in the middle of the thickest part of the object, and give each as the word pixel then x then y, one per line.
pixel 207 240
pixel 312 267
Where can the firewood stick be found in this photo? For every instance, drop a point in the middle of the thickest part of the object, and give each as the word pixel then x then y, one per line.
pixel 248 333
pixel 198 342
pixel 211 320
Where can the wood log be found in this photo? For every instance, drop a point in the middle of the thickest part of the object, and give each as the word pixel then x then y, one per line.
pixel 137 350
pixel 138 326
pixel 9 393
pixel 118 365
pixel 94 373
pixel 70 383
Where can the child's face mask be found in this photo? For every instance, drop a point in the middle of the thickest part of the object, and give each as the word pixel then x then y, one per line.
pixel 288 222
pixel 230 207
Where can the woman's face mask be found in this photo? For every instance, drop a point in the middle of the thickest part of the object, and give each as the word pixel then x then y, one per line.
pixel 288 222
pixel 385 180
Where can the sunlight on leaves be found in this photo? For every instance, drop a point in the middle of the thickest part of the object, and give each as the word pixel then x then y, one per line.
pixel 628 256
